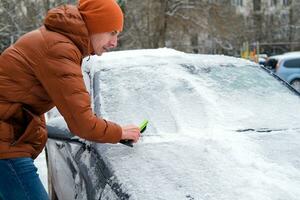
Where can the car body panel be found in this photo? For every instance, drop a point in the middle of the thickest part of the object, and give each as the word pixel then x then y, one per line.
pixel 78 171
pixel 64 170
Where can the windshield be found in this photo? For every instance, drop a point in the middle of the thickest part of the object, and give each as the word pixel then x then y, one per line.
pixel 193 94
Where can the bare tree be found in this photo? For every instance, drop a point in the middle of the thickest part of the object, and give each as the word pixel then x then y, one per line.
pixel 18 17
pixel 200 26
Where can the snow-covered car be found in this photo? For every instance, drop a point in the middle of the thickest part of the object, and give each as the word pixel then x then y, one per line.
pixel 220 128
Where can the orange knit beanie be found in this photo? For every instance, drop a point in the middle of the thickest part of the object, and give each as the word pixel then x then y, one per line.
pixel 101 15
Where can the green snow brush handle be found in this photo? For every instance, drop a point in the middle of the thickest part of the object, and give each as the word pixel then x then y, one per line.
pixel 142 127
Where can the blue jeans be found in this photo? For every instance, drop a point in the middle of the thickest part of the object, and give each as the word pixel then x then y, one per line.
pixel 19 180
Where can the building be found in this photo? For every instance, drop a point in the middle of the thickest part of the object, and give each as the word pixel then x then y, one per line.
pixel 213 26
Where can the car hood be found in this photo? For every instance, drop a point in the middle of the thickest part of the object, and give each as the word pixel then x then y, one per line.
pixel 216 164
pixel 211 164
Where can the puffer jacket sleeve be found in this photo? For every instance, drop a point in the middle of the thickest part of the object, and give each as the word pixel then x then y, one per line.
pixel 61 76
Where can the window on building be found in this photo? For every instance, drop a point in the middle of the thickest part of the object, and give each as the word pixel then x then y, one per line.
pixel 285 2
pixel 194 43
pixel 256 5
pixel 237 2
pixel 274 2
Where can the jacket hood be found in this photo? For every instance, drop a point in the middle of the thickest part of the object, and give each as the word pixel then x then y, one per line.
pixel 67 20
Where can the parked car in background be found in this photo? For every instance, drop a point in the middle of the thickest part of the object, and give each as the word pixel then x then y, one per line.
pixel 219 128
pixel 287 67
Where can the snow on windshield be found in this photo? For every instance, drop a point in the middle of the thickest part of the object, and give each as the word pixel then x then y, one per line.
pixel 176 91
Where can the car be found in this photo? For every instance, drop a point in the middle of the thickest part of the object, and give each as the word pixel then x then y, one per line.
pixel 219 128
pixel 287 67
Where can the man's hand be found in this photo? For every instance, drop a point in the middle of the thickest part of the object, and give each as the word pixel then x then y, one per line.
pixel 131 132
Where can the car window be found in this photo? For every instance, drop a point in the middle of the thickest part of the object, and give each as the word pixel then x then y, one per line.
pixel 199 95
pixel 292 63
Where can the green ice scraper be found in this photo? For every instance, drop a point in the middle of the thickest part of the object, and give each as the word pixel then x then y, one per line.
pixel 142 127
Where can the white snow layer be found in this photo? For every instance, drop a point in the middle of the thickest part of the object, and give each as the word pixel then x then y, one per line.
pixel 191 149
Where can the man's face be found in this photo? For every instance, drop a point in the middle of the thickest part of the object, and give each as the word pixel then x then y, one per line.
pixel 103 42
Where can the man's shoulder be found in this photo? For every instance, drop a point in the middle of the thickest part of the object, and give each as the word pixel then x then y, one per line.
pixel 52 37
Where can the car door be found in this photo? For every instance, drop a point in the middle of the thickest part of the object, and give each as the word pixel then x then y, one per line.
pixel 63 157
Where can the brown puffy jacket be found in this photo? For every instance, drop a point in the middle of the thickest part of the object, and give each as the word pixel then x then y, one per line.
pixel 40 70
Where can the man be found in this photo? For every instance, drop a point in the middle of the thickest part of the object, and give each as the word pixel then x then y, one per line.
pixel 42 70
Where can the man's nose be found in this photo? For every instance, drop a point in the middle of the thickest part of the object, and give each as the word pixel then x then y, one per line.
pixel 114 42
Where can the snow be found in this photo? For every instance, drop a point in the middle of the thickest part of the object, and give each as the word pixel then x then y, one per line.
pixel 195 146
pixel 213 165
pixel 40 163
pixel 227 96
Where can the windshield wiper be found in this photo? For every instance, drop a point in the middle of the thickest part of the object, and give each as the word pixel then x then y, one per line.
pixel 260 130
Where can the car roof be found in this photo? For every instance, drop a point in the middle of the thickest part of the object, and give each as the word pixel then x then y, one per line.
pixel 292 52
pixel 285 56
